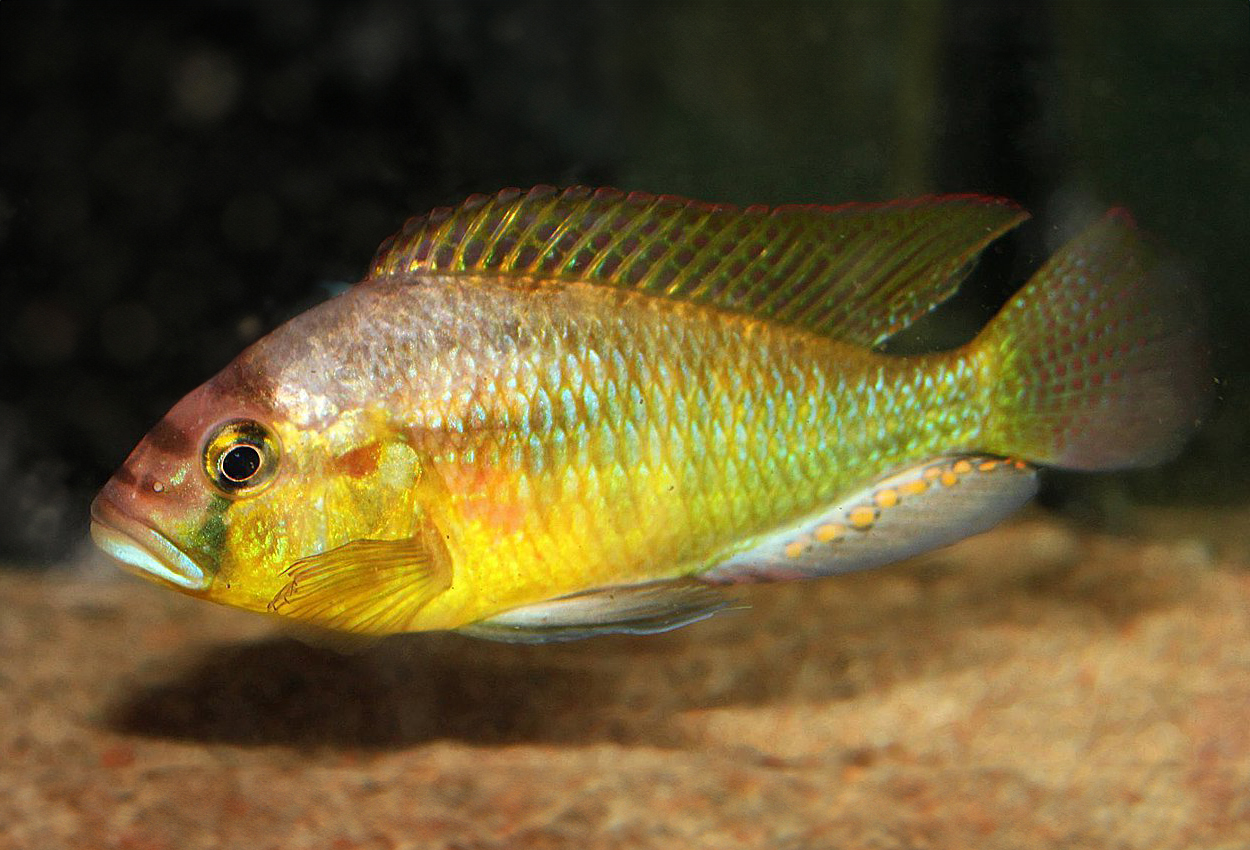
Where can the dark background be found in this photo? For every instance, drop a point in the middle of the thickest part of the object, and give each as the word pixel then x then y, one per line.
pixel 175 179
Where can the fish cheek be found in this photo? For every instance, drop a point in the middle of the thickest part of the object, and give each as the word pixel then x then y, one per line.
pixel 209 537
pixel 252 545
pixel 371 493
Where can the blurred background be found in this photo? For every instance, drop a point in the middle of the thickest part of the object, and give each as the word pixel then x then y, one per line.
pixel 176 179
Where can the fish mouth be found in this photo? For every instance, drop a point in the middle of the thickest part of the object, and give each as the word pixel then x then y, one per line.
pixel 142 549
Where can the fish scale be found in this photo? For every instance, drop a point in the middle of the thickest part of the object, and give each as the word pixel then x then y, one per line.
pixel 702 450
pixel 553 414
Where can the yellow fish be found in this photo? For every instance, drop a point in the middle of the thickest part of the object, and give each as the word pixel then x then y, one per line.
pixel 551 414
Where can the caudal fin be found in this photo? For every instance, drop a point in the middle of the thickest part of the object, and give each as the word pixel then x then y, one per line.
pixel 1099 360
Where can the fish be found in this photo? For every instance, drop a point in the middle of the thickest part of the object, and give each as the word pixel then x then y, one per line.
pixel 554 413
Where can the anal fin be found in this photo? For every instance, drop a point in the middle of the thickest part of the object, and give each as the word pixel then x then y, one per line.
pixel 631 609
pixel 366 586
pixel 917 509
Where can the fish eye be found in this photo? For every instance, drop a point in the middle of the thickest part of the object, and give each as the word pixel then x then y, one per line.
pixel 241 457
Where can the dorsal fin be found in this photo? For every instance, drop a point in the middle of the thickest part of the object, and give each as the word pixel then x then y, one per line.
pixel 857 272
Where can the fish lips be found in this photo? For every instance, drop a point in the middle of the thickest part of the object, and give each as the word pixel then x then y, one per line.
pixel 142 549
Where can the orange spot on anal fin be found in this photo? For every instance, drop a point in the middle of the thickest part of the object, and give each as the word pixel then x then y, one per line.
pixel 912 510
pixel 886 498
pixel 914 487
pixel 861 517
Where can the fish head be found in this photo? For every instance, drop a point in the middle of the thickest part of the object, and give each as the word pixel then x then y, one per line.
pixel 234 486
pixel 164 513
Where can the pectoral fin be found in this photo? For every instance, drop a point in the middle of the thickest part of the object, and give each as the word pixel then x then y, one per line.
pixel 912 511
pixel 636 610
pixel 366 586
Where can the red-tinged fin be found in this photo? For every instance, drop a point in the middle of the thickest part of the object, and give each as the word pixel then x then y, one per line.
pixel 857 272
pixel 1100 361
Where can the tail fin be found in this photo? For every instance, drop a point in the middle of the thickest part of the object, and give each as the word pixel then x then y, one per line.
pixel 1099 360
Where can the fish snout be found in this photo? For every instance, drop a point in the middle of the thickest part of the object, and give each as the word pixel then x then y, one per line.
pixel 141 548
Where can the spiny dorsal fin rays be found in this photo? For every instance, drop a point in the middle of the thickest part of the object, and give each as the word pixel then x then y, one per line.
pixel 857 272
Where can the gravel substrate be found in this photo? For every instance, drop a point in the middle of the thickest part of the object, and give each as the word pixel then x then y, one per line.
pixel 1036 687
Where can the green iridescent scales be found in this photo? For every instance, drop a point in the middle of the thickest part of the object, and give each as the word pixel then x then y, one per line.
pixel 635 438
pixel 554 414
pixel 683 379
pixel 732 390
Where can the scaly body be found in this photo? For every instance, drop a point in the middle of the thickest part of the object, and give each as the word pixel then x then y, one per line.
pixel 554 415
pixel 578 436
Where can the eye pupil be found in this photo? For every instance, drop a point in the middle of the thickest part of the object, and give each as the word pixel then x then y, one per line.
pixel 240 457
pixel 240 463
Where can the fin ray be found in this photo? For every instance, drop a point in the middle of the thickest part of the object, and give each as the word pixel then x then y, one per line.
pixel 632 609
pixel 366 586
pixel 915 510
pixel 856 272
pixel 1099 361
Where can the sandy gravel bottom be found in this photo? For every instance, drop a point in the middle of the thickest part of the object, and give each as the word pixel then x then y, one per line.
pixel 1035 687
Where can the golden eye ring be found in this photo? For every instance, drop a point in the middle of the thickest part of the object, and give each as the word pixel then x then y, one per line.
pixel 241 457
